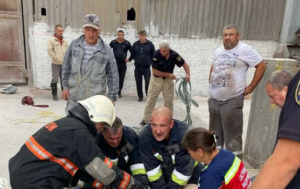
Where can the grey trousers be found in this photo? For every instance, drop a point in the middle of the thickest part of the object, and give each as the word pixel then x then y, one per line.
pixel 56 73
pixel 226 120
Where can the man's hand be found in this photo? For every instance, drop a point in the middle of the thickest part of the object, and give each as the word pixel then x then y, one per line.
pixel 248 90
pixel 65 94
pixel 113 102
pixel 126 60
pixel 172 76
pixel 187 78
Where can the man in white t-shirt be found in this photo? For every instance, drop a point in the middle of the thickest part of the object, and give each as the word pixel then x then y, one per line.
pixel 228 86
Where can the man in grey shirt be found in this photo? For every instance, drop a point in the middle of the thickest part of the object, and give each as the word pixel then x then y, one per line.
pixel 89 64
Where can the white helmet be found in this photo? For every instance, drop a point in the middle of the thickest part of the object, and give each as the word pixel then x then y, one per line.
pixel 100 109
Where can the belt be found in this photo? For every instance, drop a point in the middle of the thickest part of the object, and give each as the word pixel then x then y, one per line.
pixel 159 77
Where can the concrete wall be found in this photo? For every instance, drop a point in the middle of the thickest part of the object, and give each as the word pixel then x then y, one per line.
pixel 291 21
pixel 198 53
pixel 263 119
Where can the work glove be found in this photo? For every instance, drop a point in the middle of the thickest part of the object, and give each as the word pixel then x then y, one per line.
pixel 135 184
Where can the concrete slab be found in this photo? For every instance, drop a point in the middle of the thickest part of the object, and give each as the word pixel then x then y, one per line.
pixel 19 122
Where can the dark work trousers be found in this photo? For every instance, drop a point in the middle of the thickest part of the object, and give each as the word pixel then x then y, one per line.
pixel 122 67
pixel 226 119
pixel 139 72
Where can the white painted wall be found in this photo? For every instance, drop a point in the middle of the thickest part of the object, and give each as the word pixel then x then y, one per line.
pixel 198 53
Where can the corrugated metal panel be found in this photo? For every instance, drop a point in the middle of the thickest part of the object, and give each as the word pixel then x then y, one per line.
pixel 260 20
pixel 64 12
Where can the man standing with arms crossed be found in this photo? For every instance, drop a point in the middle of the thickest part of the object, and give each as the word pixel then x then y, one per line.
pixel 228 87
pixel 89 65
pixel 57 47
pixel 120 47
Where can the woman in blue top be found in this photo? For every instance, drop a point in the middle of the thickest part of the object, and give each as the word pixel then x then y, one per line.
pixel 223 169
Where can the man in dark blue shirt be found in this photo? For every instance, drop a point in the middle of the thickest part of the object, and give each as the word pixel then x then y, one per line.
pixel 164 61
pixel 282 169
pixel 142 53
pixel 120 47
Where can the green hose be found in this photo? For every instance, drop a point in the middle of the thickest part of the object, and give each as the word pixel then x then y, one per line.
pixel 183 90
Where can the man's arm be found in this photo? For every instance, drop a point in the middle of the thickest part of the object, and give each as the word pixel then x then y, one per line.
pixel 130 50
pixel 281 167
pixel 90 159
pixel 158 73
pixel 136 164
pixel 50 49
pixel 211 69
pixel 132 53
pixel 259 73
pixel 187 71
pixel 66 71
pixel 112 77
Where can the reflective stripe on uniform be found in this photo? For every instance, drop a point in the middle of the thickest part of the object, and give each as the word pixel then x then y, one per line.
pixel 126 159
pixel 43 154
pixel 154 174
pixel 158 156
pixel 233 169
pixel 108 162
pixel 115 161
pixel 125 181
pixel 173 158
pixel 97 184
pixel 179 178
pixel 137 169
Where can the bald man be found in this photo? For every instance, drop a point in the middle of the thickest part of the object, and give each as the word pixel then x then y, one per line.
pixel 167 164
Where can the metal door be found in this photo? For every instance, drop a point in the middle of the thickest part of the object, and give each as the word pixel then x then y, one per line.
pixel 12 61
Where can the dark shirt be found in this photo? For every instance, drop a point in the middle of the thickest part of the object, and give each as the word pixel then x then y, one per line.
pixel 289 120
pixel 120 50
pixel 162 64
pixel 142 53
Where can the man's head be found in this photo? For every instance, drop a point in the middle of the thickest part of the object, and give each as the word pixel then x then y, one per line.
pixel 113 135
pixel 142 36
pixel 164 48
pixel 91 29
pixel 59 30
pixel 101 111
pixel 231 36
pixel 121 35
pixel 277 86
pixel 161 123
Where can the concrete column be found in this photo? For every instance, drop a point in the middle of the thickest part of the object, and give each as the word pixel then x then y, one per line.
pixel 27 9
pixel 291 22
pixel 263 119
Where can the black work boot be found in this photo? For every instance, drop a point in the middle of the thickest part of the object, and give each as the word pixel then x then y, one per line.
pixel 54 91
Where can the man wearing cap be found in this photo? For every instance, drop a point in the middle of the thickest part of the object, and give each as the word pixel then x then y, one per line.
pixel 53 155
pixel 57 46
pixel 89 65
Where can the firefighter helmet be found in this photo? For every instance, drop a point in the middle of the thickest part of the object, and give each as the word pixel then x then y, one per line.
pixel 100 109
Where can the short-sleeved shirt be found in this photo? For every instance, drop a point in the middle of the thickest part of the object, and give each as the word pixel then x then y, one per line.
pixel 225 171
pixel 228 77
pixel 289 120
pixel 162 64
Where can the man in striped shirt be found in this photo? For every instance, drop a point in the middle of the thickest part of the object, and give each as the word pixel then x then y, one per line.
pixel 89 65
